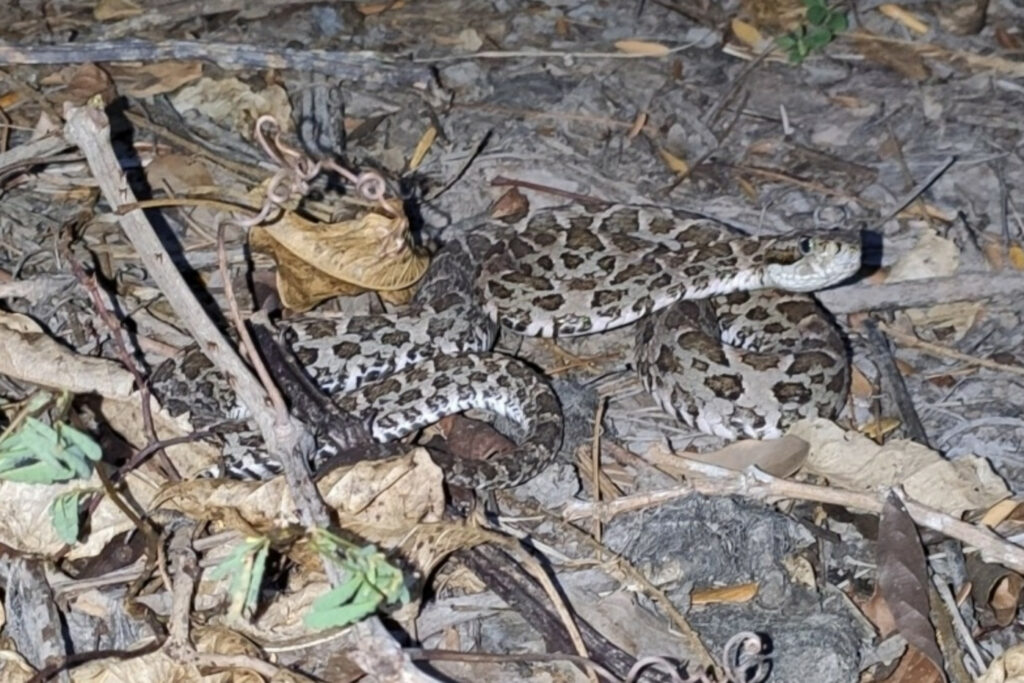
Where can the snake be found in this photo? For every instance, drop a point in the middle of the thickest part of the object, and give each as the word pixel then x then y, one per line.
pixel 729 339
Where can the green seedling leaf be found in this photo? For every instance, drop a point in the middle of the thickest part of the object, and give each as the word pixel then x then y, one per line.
pixel 837 23
pixel 364 602
pixel 339 594
pixel 786 42
pixel 341 616
pixel 38 401
pixel 371 581
pixel 818 37
pixel 246 565
pixel 64 515
pixel 83 442
pixel 26 456
pixel 817 14
pixel 259 567
pixel 37 453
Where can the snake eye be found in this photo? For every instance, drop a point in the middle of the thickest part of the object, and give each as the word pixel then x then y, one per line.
pixel 805 245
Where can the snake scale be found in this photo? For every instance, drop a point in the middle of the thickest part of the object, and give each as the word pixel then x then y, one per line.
pixel 727 340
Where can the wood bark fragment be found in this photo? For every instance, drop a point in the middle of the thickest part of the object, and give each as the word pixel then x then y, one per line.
pixel 368 68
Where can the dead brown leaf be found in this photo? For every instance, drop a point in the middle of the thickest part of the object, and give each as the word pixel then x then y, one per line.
pixel 1007 40
pixel 1017 256
pixel 996 587
pixel 81 83
pixel 914 667
pixel 903 579
pixel 908 19
pixel 316 261
pixel 778 457
pixel 999 512
pixel 678 166
pixel 1006 597
pixel 852 461
pixel 747 34
pixel 149 80
pixel 878 613
pixel 422 147
pixel 878 429
pixel 860 386
pixel 739 593
pixel 900 58
pixel 372 8
pixel 642 47
pixel 107 10
pixel 511 206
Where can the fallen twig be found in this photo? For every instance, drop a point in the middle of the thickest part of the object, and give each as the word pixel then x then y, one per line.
pixel 942 351
pixel 754 483
pixel 969 286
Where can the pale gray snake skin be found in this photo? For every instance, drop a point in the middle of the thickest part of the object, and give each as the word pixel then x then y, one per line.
pixel 718 345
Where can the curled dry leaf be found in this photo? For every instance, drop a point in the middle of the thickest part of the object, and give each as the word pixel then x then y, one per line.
pixel 1006 668
pixel 28 354
pixel 995 586
pixel 156 666
pixel 903 578
pixel 231 100
pixel 398 491
pixel 316 261
pixel 853 461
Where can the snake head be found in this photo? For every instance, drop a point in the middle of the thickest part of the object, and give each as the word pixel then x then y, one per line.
pixel 807 262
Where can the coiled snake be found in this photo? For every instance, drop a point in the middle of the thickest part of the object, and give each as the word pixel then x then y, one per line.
pixel 718 344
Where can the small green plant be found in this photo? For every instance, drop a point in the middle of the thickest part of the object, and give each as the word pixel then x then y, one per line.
pixel 245 565
pixel 36 453
pixel 823 24
pixel 64 514
pixel 370 582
